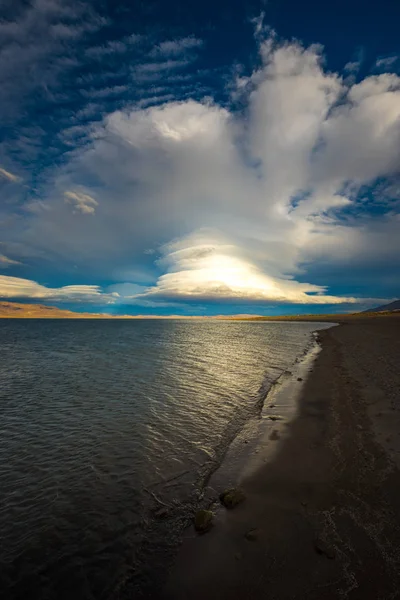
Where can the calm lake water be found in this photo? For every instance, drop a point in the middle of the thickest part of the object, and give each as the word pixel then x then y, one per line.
pixel 109 431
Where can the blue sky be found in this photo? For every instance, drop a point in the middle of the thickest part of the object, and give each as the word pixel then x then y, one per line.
pixel 200 158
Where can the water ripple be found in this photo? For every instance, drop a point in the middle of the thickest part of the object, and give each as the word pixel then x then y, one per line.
pixel 95 416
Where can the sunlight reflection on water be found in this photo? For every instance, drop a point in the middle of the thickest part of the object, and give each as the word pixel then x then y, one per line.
pixel 104 422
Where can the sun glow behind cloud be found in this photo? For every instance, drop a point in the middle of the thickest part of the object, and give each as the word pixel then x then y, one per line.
pixel 202 269
pixel 240 204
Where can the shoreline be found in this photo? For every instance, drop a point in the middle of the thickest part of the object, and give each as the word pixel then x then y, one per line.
pixel 260 439
pixel 326 509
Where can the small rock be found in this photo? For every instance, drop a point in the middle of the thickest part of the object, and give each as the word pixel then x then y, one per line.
pixel 274 418
pixel 299 379
pixel 246 441
pixel 203 520
pixel 232 497
pixel 324 549
pixel 252 535
pixel 274 435
pixel 272 405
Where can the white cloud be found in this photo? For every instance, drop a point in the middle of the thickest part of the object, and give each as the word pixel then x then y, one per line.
pixel 81 202
pixel 8 176
pixel 203 269
pixel 15 287
pixel 274 186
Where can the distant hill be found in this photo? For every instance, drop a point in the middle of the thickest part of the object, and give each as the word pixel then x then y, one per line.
pixel 19 310
pixel 391 306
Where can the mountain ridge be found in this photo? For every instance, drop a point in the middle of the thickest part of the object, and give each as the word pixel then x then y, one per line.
pixel 395 305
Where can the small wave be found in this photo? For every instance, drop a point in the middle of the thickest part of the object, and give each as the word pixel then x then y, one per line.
pixel 103 425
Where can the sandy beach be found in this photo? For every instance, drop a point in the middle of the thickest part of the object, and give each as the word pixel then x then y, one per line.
pixel 322 519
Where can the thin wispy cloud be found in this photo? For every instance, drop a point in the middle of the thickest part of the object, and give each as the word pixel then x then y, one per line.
pixel 40 31
pixel 105 92
pixel 7 176
pixel 352 66
pixel 176 47
pixel 386 63
pixel 18 288
pixel 156 71
pixel 7 262
pixel 82 203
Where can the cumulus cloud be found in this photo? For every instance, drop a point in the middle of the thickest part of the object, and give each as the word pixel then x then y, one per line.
pixel 252 198
pixel 16 288
pixel 81 202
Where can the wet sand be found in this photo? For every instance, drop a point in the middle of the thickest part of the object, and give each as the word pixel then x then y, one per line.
pixel 324 515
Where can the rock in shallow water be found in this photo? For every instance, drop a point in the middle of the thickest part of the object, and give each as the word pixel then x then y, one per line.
pixel 203 520
pixel 232 497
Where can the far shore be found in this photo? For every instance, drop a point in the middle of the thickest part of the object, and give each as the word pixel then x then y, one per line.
pixel 18 310
pixel 322 519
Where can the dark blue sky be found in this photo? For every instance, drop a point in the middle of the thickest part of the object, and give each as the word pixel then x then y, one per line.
pixel 200 158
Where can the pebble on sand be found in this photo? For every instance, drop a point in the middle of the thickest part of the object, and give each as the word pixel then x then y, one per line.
pixel 203 520
pixel 232 497
pixel 323 548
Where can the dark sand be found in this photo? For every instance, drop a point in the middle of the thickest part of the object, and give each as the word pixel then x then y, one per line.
pixel 327 509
